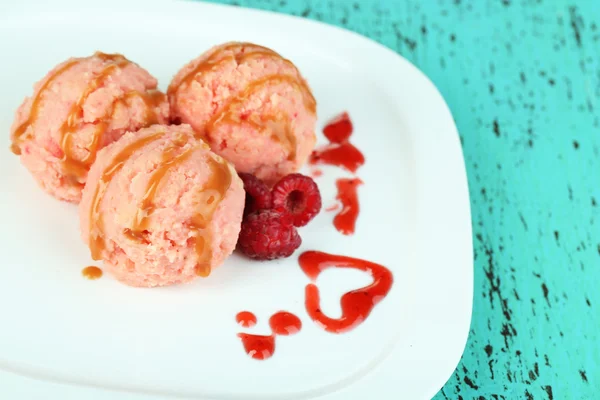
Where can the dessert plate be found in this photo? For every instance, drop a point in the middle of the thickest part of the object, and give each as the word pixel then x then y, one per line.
pixel 63 336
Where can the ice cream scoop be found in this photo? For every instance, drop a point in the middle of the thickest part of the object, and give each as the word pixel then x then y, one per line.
pixel 251 105
pixel 160 207
pixel 80 106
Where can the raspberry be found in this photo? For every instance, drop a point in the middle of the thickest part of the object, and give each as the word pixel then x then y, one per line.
pixel 258 195
pixel 267 235
pixel 299 196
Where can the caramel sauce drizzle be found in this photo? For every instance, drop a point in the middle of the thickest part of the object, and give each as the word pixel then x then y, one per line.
pixel 146 208
pixel 215 59
pixel 278 124
pixel 209 198
pixel 74 169
pixel 92 272
pixel 71 166
pixel 309 100
pixel 19 135
pixel 97 241
pixel 152 100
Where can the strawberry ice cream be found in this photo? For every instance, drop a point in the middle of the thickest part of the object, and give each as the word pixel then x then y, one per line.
pixel 160 207
pixel 251 105
pixel 80 106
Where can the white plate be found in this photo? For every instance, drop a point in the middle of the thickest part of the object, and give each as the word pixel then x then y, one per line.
pixel 102 339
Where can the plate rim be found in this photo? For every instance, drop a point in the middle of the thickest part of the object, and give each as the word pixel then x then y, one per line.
pixel 461 176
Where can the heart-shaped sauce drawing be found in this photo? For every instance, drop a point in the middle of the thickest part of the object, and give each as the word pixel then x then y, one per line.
pixel 356 304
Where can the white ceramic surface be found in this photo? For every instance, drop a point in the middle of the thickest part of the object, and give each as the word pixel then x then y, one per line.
pixel 101 340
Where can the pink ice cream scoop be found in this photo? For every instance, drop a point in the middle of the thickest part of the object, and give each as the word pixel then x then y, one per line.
pixel 251 105
pixel 160 207
pixel 80 106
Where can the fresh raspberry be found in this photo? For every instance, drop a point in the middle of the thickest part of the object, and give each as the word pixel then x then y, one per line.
pixel 268 234
pixel 258 195
pixel 299 196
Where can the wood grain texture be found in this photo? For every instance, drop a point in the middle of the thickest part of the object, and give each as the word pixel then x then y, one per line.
pixel 522 78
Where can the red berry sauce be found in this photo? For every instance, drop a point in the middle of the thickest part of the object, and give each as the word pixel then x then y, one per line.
pixel 356 304
pixel 343 155
pixel 339 129
pixel 340 152
pixel 345 220
pixel 284 323
pixel 257 346
pixel 261 347
pixel 246 319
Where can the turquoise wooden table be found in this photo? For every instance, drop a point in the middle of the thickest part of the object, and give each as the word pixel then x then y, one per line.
pixel 522 78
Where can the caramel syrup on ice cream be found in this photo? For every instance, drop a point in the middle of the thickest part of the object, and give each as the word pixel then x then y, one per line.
pixel 73 168
pixel 97 241
pixel 20 134
pixel 146 207
pixel 209 198
pixel 279 126
pixel 211 195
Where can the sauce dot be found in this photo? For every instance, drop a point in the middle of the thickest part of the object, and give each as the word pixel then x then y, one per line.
pixel 285 323
pixel 92 272
pixel 246 319
pixel 257 346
